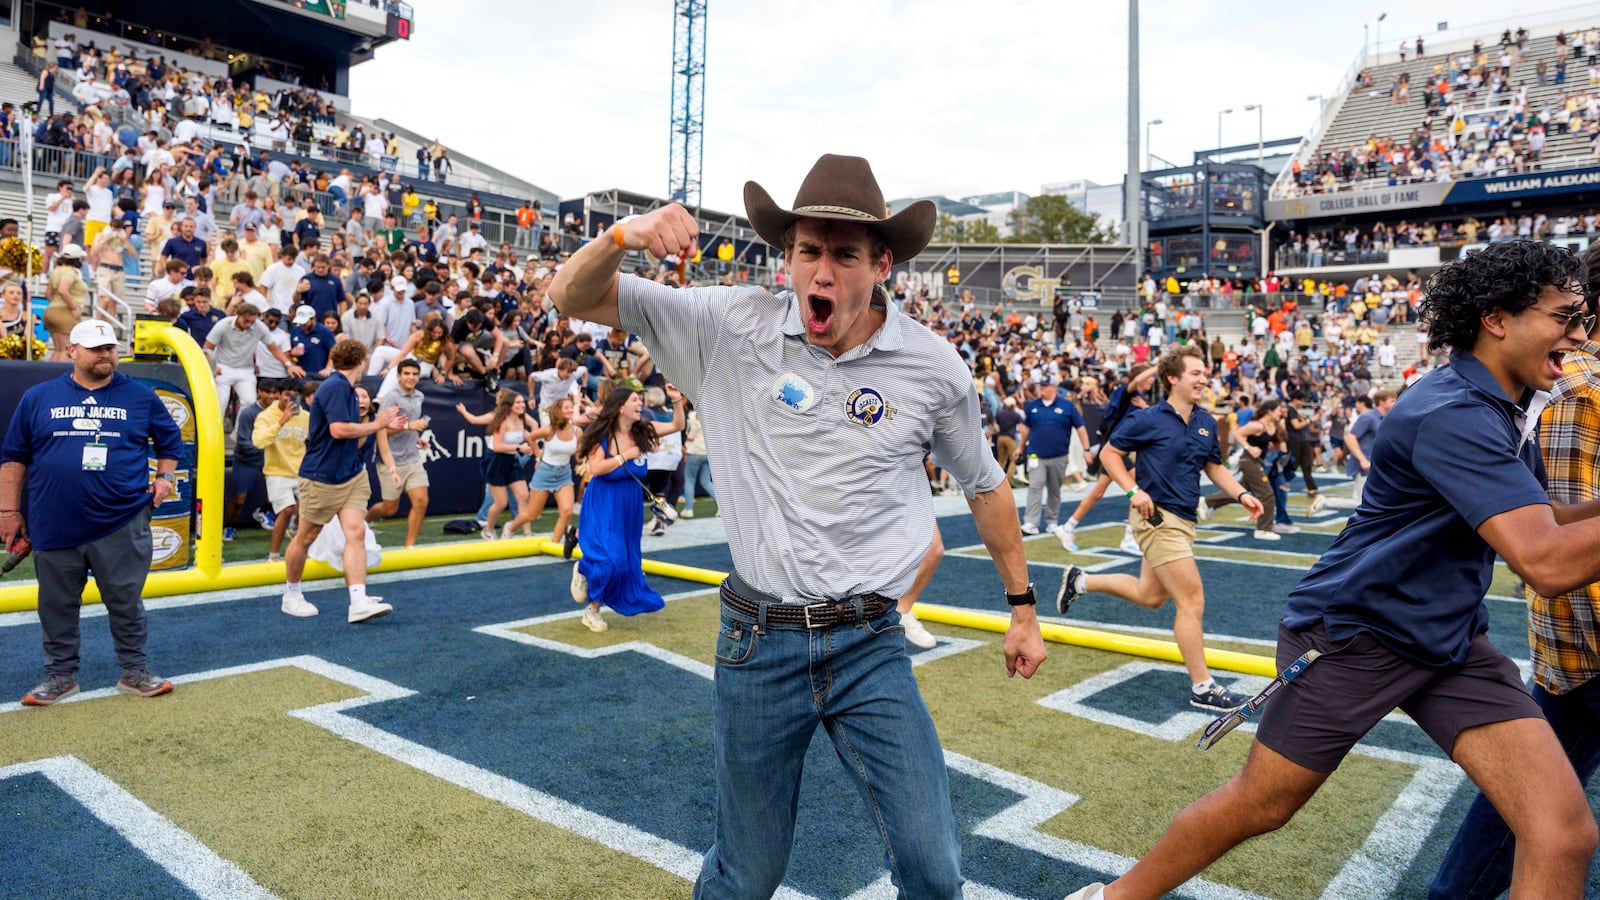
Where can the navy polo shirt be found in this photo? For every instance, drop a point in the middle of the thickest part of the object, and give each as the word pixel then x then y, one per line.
pixel 328 459
pixel 68 505
pixel 1050 427
pixel 1172 454
pixel 199 324
pixel 192 252
pixel 326 293
pixel 318 343
pixel 1409 567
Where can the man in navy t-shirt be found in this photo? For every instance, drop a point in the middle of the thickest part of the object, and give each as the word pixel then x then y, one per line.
pixel 186 247
pixel 1396 606
pixel 333 482
pixel 82 444
pixel 1176 440
pixel 199 319
pixel 327 291
pixel 1049 422
pixel 310 341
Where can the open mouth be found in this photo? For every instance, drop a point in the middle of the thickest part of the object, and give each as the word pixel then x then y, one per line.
pixel 820 316
pixel 1555 361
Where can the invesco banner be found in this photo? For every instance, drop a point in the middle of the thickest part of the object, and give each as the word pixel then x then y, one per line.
pixel 1416 196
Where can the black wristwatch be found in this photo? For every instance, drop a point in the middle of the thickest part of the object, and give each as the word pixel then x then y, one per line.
pixel 1026 598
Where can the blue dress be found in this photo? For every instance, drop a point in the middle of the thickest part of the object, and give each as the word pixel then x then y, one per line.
pixel 608 534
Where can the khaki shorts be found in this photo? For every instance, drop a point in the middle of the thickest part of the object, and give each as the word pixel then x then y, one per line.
pixel 320 503
pixel 412 475
pixel 1170 541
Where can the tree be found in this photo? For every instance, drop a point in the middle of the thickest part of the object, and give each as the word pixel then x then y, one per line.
pixel 949 230
pixel 1050 219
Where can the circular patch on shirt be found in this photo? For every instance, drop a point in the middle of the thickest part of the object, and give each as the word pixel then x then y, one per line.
pixel 866 406
pixel 164 543
pixel 792 391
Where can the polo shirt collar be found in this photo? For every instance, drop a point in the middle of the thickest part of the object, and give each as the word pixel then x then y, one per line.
pixel 1525 411
pixel 887 337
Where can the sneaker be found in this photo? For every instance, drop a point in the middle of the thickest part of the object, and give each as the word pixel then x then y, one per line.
pixel 54 689
pixel 1029 528
pixel 686 513
pixel 1129 545
pixel 569 541
pixel 298 606
pixel 1218 699
pixel 1266 535
pixel 1068 535
pixel 487 533
pixel 369 609
pixel 505 533
pixel 659 529
pixel 579 586
pixel 1085 892
pixel 591 619
pixel 491 382
pixel 143 682
pixel 916 633
pixel 1317 503
pixel 265 519
pixel 1281 528
pixel 1202 512
pixel 227 534
pixel 1069 589
pixel 1022 478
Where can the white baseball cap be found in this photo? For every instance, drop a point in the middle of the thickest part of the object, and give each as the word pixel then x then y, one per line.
pixel 304 314
pixel 72 251
pixel 93 333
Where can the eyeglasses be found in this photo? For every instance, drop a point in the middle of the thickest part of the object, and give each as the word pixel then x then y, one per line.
pixel 1570 318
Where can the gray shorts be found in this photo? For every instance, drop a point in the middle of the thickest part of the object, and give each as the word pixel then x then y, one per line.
pixel 1319 716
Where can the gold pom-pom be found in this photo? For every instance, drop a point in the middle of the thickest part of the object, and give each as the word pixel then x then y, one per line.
pixel 14 346
pixel 17 255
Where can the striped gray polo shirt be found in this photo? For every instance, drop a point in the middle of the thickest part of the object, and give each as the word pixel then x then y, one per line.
pixel 817 460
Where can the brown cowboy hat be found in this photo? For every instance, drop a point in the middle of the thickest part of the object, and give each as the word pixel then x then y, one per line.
pixel 842 188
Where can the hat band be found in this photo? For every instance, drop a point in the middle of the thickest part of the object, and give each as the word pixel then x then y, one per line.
pixel 841 210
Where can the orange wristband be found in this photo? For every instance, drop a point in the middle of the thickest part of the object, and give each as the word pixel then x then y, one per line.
pixel 616 235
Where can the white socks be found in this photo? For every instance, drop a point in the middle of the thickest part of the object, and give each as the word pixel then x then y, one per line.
pixel 358 594
pixel 1082 584
pixel 292 587
pixel 1200 687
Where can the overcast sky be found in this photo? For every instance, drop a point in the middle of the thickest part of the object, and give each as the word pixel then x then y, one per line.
pixel 950 97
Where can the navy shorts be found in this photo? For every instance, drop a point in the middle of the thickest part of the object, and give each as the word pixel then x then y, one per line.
pixel 1319 716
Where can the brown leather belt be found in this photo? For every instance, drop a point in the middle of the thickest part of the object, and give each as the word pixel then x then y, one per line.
pixel 853 610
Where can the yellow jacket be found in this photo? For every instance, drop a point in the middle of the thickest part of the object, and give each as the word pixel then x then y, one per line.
pixel 283 443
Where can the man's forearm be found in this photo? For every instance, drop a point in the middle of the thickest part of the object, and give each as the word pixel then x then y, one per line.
pixel 586 287
pixel 995 514
pixel 12 475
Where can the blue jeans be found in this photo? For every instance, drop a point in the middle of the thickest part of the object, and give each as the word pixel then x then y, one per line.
pixel 1478 864
pixel 697 477
pixel 488 500
pixel 773 687
pixel 1280 488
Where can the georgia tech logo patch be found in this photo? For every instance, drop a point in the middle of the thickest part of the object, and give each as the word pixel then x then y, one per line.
pixel 866 407
pixel 1204 432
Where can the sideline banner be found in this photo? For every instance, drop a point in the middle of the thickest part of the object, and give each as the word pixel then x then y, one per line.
pixel 1415 196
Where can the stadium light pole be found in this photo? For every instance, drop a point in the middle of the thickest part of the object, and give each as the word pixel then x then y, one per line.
pixel 1260 136
pixel 1133 182
pixel 1147 140
pixel 1220 114
pixel 1321 103
pixel 1378 44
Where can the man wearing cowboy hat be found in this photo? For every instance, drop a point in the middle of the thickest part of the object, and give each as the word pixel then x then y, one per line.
pixel 817 406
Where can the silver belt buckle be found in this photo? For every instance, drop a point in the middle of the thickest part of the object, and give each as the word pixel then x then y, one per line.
pixel 807 612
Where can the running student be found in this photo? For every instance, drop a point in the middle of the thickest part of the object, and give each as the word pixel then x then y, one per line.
pixel 1176 440
pixel 1456 478
pixel 1125 399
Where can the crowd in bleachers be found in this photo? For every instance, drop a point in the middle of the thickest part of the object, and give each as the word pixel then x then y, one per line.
pixel 1477 117
pixel 1353 244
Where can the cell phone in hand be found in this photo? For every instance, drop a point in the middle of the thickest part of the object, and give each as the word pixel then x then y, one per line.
pixel 1155 517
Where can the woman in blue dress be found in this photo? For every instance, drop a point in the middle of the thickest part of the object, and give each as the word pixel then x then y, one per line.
pixel 613 449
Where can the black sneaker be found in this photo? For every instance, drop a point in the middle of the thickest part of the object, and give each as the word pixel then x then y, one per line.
pixel 569 541
pixel 659 529
pixel 1069 591
pixel 491 382
pixel 1217 699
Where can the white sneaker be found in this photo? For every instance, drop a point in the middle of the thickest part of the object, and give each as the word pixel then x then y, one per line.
pixel 1068 535
pixel 916 633
pixel 1085 892
pixel 1266 535
pixel 1030 528
pixel 1129 545
pixel 1202 513
pixel 1281 528
pixel 1022 478
pixel 1317 503
pixel 487 533
pixel 591 619
pixel 686 513
pixel 369 609
pixel 580 586
pixel 297 605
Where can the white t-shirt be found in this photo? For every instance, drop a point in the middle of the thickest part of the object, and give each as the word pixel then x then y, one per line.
pixel 375 205
pixel 160 289
pixel 267 365
pixel 57 209
pixel 100 203
pixel 280 281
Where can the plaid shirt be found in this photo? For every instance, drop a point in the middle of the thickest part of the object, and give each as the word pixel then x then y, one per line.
pixel 1563 631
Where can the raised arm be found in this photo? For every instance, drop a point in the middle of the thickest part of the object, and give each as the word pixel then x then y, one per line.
pixel 586 287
